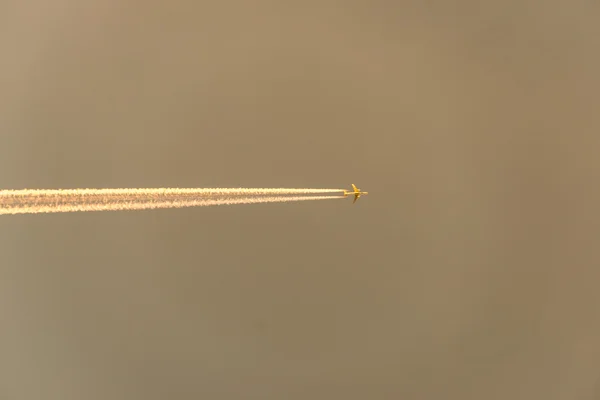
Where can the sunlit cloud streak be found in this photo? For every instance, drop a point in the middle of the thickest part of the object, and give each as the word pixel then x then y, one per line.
pixel 70 200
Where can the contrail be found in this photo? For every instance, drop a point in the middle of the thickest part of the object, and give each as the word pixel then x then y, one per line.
pixel 166 191
pixel 50 201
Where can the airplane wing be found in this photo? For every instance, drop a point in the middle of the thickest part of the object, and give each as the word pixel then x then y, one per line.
pixel 355 198
pixel 354 187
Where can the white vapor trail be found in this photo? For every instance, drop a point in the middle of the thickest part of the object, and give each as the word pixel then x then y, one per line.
pixel 51 201
pixel 166 191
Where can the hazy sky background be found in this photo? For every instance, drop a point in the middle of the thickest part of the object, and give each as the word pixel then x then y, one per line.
pixel 470 271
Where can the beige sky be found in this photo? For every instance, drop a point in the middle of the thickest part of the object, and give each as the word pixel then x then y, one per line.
pixel 470 270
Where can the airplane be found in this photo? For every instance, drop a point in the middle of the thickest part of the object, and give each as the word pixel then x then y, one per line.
pixel 357 193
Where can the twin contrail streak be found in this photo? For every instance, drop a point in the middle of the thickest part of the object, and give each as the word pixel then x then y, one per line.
pixel 166 191
pixel 51 201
